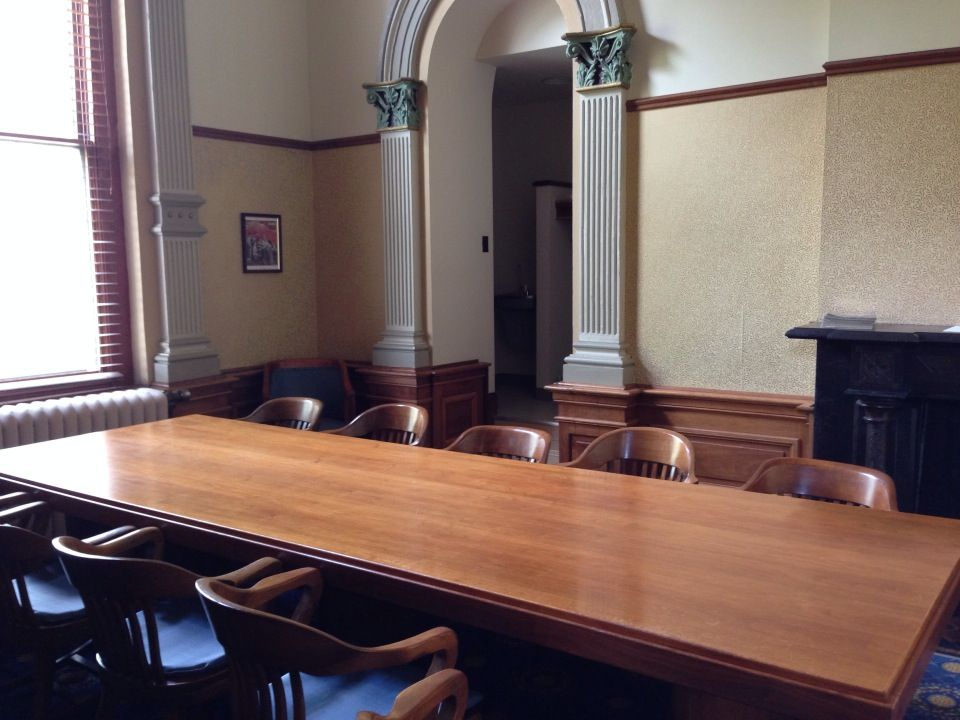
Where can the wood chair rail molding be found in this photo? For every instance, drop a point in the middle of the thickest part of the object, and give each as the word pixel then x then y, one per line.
pixel 732 432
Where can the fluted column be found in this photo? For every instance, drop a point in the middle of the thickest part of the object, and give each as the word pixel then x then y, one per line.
pixel 599 356
pixel 404 342
pixel 185 352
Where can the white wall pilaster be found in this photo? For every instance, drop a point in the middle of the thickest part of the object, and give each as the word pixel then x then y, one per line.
pixel 599 354
pixel 404 342
pixel 599 357
pixel 185 352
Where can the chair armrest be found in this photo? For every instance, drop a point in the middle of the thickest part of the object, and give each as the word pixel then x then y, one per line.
pixel 252 573
pixel 15 498
pixel 421 700
pixel 108 535
pixel 132 541
pixel 20 512
pixel 441 642
pixel 308 579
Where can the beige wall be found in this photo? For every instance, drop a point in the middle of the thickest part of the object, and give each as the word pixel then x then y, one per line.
pixel 344 53
pixel 685 45
pixel 249 66
pixel 349 240
pixel 864 28
pixel 729 239
pixel 251 318
pixel 891 217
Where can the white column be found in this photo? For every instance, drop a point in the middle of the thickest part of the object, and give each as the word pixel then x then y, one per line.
pixel 599 356
pixel 404 342
pixel 185 352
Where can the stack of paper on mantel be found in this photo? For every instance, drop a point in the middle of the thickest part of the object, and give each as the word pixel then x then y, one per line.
pixel 848 322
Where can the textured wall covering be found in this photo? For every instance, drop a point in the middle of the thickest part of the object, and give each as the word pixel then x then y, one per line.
pixel 891 216
pixel 349 242
pixel 729 237
pixel 252 318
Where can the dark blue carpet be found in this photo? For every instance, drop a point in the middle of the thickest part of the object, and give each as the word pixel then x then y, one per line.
pixel 938 697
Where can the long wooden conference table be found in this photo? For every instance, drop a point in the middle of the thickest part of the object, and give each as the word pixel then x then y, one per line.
pixel 807 609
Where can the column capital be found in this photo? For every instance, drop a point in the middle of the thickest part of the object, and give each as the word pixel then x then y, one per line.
pixel 602 57
pixel 396 103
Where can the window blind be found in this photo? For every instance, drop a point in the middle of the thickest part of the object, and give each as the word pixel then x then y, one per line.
pixel 97 134
pixel 58 140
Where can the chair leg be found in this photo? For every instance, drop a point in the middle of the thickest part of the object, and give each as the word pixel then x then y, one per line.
pixel 43 667
pixel 108 707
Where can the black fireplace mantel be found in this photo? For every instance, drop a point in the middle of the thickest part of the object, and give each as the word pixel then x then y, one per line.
pixel 889 398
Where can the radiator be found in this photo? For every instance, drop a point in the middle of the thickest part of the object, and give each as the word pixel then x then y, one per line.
pixel 26 423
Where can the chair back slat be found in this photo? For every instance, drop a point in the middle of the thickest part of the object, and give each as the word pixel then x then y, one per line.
pixel 23 550
pixel 504 441
pixel 297 413
pixel 642 452
pixel 825 481
pixel 263 647
pixel 121 596
pixel 398 423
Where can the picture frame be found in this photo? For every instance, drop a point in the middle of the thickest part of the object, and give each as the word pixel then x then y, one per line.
pixel 260 243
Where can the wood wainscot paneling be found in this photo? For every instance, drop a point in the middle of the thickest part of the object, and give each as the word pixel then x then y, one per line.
pixel 454 394
pixel 585 412
pixel 232 394
pixel 732 432
pixel 247 390
pixel 203 396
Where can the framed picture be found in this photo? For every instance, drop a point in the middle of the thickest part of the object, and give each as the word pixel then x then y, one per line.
pixel 260 238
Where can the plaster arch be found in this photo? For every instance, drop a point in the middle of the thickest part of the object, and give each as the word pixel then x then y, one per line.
pixel 408 20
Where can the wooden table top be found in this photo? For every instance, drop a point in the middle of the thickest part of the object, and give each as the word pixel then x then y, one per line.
pixel 813 609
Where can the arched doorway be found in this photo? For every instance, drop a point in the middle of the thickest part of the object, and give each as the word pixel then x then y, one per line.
pixel 436 176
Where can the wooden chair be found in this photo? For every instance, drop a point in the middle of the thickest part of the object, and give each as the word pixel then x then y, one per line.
pixel 394 422
pixel 41 615
pixel 298 413
pixel 504 441
pixel 153 644
pixel 324 379
pixel 279 661
pixel 642 451
pixel 421 700
pixel 825 480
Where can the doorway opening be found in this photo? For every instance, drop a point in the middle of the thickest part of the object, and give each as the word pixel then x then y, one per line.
pixel 532 172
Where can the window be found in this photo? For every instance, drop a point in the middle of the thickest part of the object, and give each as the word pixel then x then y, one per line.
pixel 64 315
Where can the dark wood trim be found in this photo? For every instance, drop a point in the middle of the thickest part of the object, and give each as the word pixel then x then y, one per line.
pixel 892 62
pixel 253 139
pixel 352 141
pixel 290 143
pixel 50 388
pixel 799 82
pixel 732 432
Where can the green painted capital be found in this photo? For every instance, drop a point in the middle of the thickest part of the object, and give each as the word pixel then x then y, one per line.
pixel 602 57
pixel 396 103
